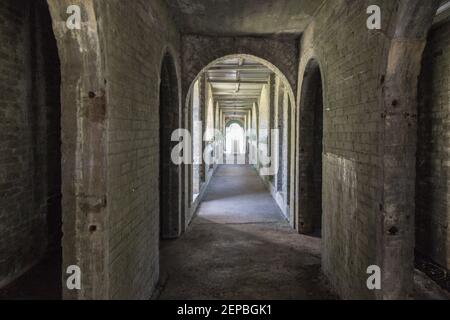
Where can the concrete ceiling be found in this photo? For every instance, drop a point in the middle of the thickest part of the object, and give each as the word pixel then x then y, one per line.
pixel 243 17
pixel 237 84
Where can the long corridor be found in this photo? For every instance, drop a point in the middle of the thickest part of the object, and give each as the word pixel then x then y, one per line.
pixel 240 246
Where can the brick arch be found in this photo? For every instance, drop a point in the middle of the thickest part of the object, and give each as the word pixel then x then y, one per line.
pixel 399 84
pixel 168 51
pixel 200 67
pixel 83 125
pixel 258 59
pixel 199 51
pixel 310 63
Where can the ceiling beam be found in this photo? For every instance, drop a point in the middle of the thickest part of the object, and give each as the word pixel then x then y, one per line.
pixel 240 82
pixel 237 109
pixel 243 103
pixel 235 113
pixel 235 106
pixel 231 92
pixel 234 98
pixel 230 107
pixel 240 68
pixel 228 95
pixel 237 101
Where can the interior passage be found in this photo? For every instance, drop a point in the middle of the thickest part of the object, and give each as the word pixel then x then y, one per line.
pixel 240 246
pixel 114 136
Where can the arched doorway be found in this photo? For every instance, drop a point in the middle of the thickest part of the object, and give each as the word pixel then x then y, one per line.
pixel 31 255
pixel 259 95
pixel 235 143
pixel 169 172
pixel 310 151
pixel 235 138
pixel 432 240
pixel 400 82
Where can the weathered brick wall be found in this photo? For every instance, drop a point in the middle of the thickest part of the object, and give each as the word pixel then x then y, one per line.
pixel 29 136
pixel 369 84
pixel 350 58
pixel 433 164
pixel 136 35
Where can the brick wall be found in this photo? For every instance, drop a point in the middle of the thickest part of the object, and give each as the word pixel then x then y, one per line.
pixel 30 173
pixel 349 56
pixel 433 164
pixel 369 91
pixel 136 35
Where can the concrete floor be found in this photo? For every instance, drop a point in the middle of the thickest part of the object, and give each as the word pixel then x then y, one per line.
pixel 241 247
pixel 238 247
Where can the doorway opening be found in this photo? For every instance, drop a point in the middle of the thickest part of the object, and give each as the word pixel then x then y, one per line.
pixel 236 97
pixel 311 152
pixel 432 174
pixel 169 172
pixel 235 139
pixel 31 251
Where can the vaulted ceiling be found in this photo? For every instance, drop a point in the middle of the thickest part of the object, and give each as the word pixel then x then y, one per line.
pixel 243 17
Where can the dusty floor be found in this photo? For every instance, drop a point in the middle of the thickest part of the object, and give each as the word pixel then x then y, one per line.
pixel 42 282
pixel 241 247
